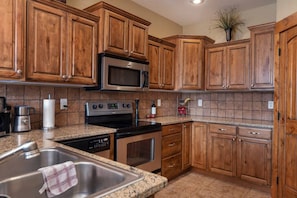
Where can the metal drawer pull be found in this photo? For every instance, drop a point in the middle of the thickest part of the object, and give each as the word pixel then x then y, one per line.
pixel 171 144
pixel 254 133
pixel 222 129
pixel 233 139
pixel 171 166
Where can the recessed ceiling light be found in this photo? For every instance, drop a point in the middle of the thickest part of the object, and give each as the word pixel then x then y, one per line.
pixel 196 2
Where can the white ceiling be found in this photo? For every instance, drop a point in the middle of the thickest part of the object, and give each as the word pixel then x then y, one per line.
pixel 184 13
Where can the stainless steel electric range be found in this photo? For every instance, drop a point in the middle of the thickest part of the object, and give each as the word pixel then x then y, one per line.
pixel 137 143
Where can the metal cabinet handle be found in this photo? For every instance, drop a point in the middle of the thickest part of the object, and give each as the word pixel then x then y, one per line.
pixel 171 144
pixel 233 139
pixel 171 166
pixel 223 86
pixel 239 140
pixel 222 129
pixel 254 133
pixel 252 85
pixel 64 77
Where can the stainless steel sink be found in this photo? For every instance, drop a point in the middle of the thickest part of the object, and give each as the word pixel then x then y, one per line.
pixel 47 157
pixel 95 179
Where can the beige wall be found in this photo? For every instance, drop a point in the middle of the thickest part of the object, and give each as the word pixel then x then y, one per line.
pixel 251 17
pixel 158 22
pixel 285 8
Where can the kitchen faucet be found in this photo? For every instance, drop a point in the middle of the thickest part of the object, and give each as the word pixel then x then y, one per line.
pixel 30 149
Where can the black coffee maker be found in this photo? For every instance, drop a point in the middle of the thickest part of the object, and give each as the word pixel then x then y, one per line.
pixel 5 126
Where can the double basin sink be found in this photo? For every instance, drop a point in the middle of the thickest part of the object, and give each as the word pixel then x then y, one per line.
pixel 19 176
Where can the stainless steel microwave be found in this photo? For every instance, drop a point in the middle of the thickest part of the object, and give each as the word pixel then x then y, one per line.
pixel 122 74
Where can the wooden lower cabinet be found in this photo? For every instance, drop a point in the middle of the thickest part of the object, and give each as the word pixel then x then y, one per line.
pixel 254 155
pixel 222 149
pixel 245 153
pixel 198 141
pixel 186 145
pixel 176 149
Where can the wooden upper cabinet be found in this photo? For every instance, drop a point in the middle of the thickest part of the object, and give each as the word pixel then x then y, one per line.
pixel 262 56
pixel 121 32
pixel 116 29
pixel 61 45
pixel 12 39
pixel 82 64
pixel 189 61
pixel 227 65
pixel 161 59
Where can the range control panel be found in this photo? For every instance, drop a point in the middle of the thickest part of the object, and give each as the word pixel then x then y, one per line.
pixel 96 108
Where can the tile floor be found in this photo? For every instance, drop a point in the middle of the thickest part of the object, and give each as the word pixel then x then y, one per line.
pixel 201 184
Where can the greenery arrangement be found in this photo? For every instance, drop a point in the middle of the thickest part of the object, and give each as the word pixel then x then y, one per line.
pixel 228 19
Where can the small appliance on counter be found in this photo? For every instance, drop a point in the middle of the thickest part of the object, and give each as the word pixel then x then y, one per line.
pixel 22 122
pixel 5 126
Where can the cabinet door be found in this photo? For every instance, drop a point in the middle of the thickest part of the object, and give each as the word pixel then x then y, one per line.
pixel 171 144
pixel 222 154
pixel 171 166
pixel 82 49
pixel 199 138
pixel 215 63
pixel 168 68
pixel 154 57
pixel 192 73
pixel 138 40
pixel 12 38
pixel 186 146
pixel 116 31
pixel 287 124
pixel 46 36
pixel 254 160
pixel 237 66
pixel 262 56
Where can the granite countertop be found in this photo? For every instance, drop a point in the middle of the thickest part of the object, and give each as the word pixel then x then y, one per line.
pixel 238 122
pixel 149 185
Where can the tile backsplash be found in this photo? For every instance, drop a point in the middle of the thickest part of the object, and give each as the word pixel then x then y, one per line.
pixel 240 105
pixel 33 96
pixel 246 105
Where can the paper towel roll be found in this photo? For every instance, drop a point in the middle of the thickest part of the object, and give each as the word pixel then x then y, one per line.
pixel 48 113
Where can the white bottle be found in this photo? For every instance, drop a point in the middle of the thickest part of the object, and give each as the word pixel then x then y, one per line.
pixel 153 111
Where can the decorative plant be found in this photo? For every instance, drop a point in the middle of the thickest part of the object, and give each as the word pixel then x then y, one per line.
pixel 228 20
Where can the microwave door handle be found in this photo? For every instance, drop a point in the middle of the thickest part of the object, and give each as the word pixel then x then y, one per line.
pixel 145 79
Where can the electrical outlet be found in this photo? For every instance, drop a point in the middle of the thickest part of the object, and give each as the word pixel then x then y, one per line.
pixel 159 103
pixel 199 102
pixel 63 104
pixel 270 104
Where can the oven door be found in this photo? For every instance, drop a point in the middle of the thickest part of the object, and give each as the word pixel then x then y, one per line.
pixel 141 151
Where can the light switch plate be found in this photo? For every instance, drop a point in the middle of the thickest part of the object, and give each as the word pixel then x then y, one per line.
pixel 63 104
pixel 270 104
pixel 199 102
pixel 159 103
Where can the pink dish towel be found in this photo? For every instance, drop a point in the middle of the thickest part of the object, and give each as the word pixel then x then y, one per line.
pixel 58 178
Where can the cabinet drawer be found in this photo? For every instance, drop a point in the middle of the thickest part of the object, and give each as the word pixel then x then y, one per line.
pixel 171 144
pixel 171 129
pixel 223 129
pixel 255 132
pixel 172 166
